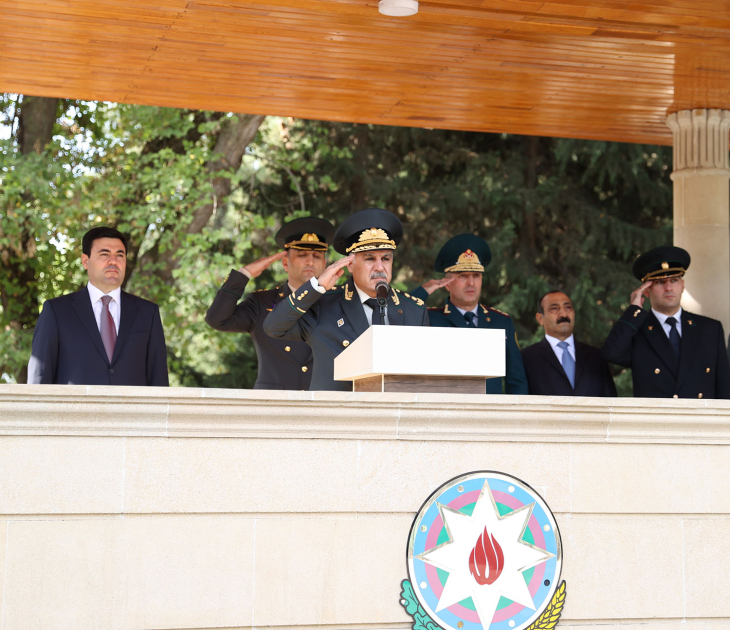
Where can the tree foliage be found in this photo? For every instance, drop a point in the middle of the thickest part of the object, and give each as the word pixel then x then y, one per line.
pixel 557 213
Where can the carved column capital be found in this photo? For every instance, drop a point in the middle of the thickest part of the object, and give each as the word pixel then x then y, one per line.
pixel 700 140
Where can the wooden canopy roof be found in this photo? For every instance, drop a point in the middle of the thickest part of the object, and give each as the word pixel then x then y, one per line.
pixel 603 69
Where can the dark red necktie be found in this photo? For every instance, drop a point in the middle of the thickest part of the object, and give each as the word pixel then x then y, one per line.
pixel 107 328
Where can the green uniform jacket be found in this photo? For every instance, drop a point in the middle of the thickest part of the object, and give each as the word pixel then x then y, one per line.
pixel 332 321
pixel 282 365
pixel 515 380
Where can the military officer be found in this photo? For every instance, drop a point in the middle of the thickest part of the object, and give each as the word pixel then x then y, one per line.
pixel 671 353
pixel 282 364
pixel 463 259
pixel 330 318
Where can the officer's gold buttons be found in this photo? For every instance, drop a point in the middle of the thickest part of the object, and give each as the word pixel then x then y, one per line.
pixel 345 343
pixel 636 312
pixel 650 327
pixel 699 395
pixel 707 370
pixel 657 371
pixel 304 368
pixel 675 396
pixel 287 349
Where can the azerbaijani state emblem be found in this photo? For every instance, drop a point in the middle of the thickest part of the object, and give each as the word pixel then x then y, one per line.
pixel 484 553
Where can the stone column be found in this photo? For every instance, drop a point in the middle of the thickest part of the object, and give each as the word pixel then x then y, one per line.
pixel 702 208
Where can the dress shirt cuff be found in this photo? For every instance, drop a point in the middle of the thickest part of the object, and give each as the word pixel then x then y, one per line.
pixel 246 273
pixel 316 287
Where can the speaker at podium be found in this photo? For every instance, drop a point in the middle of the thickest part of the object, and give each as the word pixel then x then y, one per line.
pixel 422 359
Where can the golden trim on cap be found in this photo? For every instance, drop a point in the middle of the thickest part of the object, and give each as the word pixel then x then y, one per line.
pixel 372 238
pixel 665 272
pixel 468 261
pixel 310 240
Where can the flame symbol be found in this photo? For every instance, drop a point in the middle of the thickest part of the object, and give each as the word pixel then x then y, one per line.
pixel 486 554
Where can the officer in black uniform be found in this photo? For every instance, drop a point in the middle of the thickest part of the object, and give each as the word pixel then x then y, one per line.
pixel 330 318
pixel 463 259
pixel 282 365
pixel 671 353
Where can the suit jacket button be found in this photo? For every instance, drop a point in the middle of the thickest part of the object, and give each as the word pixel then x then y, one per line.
pixel 304 368
pixel 657 371
pixel 675 396
pixel 699 396
pixel 707 370
pixel 345 343
pixel 287 349
pixel 111 371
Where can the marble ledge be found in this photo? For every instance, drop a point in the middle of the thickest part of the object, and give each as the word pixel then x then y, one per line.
pixel 196 412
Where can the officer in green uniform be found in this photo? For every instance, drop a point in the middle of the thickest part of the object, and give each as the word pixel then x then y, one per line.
pixel 671 353
pixel 330 318
pixel 282 364
pixel 463 259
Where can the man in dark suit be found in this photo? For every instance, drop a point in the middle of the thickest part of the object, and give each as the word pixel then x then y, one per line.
pixel 100 335
pixel 559 365
pixel 671 353
pixel 463 259
pixel 282 364
pixel 330 318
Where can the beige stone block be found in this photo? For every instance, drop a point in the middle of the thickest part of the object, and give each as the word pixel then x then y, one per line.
pixel 622 567
pixel 64 575
pixel 330 572
pixel 183 572
pixel 701 200
pixel 706 573
pixel 398 476
pixel 3 545
pixel 650 478
pixel 240 475
pixel 61 475
pixel 648 625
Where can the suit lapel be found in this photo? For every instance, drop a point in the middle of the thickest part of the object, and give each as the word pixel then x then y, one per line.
pixel 690 340
pixel 396 315
pixel 580 361
pixel 660 342
pixel 453 315
pixel 81 304
pixel 352 307
pixel 549 357
pixel 128 309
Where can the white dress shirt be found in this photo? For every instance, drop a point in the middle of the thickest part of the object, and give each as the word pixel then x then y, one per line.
pixel 553 341
pixel 96 295
pixel 663 321
pixel 475 310
pixel 368 311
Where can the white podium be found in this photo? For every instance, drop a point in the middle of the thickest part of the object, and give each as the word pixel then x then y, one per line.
pixel 422 359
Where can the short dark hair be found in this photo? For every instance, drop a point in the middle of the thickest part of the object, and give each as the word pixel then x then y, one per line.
pixel 539 302
pixel 101 232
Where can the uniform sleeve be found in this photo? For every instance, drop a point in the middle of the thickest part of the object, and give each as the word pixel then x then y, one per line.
pixel 617 347
pixel 295 317
pixel 43 361
pixel 515 379
pixel 157 354
pixel 420 293
pixel 722 371
pixel 225 314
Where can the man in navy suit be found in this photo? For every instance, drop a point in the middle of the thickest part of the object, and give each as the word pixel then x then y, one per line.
pixel 100 335
pixel 559 365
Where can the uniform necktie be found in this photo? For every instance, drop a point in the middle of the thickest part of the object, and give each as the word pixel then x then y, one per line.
pixel 373 304
pixel 568 363
pixel 673 334
pixel 107 328
pixel 470 319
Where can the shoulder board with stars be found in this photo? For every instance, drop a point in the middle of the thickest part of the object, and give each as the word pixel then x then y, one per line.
pixel 490 308
pixel 418 301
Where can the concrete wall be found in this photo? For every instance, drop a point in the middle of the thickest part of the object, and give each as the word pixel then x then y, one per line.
pixel 138 508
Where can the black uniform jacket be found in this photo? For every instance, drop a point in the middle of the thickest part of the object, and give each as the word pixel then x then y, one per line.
pixel 515 381
pixel 638 341
pixel 67 346
pixel 546 377
pixel 282 364
pixel 332 321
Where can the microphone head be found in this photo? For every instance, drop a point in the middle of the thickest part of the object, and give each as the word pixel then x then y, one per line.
pixel 381 290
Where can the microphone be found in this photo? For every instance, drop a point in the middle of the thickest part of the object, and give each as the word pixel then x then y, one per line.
pixel 381 291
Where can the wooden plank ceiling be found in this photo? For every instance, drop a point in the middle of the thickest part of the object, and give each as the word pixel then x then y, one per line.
pixel 603 69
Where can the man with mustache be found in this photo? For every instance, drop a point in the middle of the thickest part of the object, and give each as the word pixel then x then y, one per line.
pixel 282 364
pixel 330 318
pixel 671 353
pixel 559 365
pixel 463 260
pixel 100 335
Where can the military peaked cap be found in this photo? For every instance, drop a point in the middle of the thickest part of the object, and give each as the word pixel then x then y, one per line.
pixel 661 262
pixel 305 233
pixel 370 229
pixel 465 252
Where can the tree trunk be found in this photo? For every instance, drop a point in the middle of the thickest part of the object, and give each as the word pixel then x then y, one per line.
pixel 230 147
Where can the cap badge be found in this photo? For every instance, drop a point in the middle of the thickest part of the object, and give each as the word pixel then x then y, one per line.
pixel 373 234
pixel 468 257
pixel 310 238
pixel 665 266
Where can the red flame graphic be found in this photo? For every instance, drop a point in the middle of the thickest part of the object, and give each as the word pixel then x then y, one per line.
pixel 487 554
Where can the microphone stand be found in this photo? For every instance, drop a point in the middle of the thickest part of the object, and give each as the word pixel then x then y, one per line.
pixel 381 289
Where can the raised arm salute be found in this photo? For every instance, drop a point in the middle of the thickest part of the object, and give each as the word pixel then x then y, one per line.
pixel 282 365
pixel 671 352
pixel 328 317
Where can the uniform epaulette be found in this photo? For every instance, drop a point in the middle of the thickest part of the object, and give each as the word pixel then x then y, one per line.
pixel 490 308
pixel 418 301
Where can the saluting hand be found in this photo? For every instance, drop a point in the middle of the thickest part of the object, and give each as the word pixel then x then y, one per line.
pixel 637 297
pixel 257 266
pixel 328 278
pixel 432 285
